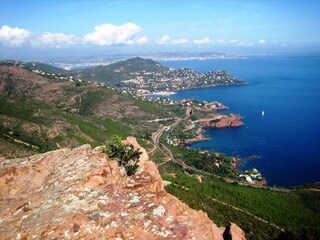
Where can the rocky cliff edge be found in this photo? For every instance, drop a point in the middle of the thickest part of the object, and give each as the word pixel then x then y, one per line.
pixel 81 194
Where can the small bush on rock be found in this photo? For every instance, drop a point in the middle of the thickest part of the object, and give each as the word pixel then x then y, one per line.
pixel 125 154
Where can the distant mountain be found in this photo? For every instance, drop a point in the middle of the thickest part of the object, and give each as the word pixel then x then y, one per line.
pixel 45 67
pixel 114 73
pixel 35 66
pixel 138 64
pixel 189 56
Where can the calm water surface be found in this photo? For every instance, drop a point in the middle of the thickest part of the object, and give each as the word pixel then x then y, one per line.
pixel 287 137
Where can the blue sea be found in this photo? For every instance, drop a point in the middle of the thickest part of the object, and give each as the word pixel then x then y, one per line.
pixel 286 140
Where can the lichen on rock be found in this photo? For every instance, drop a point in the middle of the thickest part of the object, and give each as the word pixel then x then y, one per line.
pixel 81 194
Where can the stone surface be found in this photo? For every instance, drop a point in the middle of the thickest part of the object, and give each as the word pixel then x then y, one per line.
pixel 80 194
pixel 233 232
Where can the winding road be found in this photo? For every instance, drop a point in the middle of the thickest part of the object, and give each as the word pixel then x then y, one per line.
pixel 156 140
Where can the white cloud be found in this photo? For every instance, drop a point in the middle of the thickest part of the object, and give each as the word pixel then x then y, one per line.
pixel 234 41
pixel 142 40
pixel 13 37
pixel 262 41
pixel 205 40
pixel 163 40
pixel 220 40
pixel 180 41
pixel 56 40
pixel 246 43
pixel 108 34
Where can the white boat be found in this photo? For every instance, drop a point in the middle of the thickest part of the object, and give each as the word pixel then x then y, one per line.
pixel 262 113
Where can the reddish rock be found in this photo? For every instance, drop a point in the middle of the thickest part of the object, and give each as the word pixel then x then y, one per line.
pixel 199 138
pixel 262 182
pixel 221 121
pixel 235 162
pixel 81 194
pixel 189 112
pixel 236 123
pixel 233 232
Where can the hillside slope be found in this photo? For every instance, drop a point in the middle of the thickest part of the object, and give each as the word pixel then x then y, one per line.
pixel 45 67
pixel 50 114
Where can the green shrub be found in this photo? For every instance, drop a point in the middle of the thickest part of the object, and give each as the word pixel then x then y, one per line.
pixel 125 154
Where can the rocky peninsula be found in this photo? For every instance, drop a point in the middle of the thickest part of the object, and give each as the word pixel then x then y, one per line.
pixel 221 121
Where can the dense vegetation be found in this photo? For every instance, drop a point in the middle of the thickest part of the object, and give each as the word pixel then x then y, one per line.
pixel 34 124
pixel 208 162
pixel 296 212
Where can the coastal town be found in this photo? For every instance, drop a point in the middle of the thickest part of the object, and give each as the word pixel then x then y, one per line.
pixel 175 79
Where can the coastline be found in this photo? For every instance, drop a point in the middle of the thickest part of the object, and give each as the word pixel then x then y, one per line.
pixel 233 120
pixel 199 138
pixel 216 120
pixel 173 92
pixel 247 106
pixel 161 93
pixel 221 121
pixel 253 176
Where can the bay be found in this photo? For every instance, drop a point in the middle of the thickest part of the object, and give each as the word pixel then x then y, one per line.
pixel 286 140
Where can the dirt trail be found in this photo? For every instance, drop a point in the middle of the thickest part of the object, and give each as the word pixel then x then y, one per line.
pixel 247 212
pixel 21 142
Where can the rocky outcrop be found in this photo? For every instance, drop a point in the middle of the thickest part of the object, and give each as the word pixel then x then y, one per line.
pixel 233 232
pixel 231 120
pixel 199 137
pixel 81 194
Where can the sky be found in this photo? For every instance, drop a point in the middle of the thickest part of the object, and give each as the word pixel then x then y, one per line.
pixel 82 27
